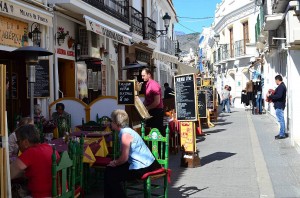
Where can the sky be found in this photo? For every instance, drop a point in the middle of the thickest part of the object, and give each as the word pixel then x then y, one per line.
pixel 194 9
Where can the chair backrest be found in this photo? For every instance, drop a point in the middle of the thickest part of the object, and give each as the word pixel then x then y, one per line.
pixel 76 153
pixel 91 125
pixel 158 144
pixel 116 145
pixel 63 125
pixel 63 174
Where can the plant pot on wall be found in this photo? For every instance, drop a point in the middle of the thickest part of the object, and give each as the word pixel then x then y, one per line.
pixel 60 41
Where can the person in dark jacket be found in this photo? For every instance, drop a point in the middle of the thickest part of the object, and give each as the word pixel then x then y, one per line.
pixel 169 92
pixel 278 99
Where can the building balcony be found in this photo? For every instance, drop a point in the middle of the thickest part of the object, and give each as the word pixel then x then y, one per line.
pixel 167 45
pixel 240 48
pixel 149 29
pixel 117 9
pixel 279 6
pixel 136 21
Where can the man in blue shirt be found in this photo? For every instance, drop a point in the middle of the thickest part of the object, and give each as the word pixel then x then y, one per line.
pixel 278 99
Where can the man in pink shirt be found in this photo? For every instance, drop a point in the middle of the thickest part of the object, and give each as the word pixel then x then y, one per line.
pixel 153 102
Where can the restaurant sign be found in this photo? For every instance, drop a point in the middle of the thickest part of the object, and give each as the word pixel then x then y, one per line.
pixel 20 10
pixel 13 33
pixel 102 29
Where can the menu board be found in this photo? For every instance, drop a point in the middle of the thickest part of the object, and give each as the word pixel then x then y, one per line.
pixel 207 81
pixel 14 86
pixel 125 92
pixel 187 134
pixel 202 104
pixel 185 97
pixel 209 96
pixel 41 85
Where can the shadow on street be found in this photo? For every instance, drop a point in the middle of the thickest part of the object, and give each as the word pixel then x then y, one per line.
pixel 218 156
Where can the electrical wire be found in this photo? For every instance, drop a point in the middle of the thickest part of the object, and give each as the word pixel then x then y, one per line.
pixel 188 28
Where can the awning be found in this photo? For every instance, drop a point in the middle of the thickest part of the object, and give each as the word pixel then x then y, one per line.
pixel 158 55
pixel 24 11
pixel 104 30
pixel 185 69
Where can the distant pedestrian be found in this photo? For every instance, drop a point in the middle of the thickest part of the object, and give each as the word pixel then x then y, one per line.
pixel 169 92
pixel 225 96
pixel 279 98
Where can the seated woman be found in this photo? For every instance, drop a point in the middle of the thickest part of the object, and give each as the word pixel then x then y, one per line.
pixel 35 161
pixel 60 113
pixel 136 159
pixel 12 139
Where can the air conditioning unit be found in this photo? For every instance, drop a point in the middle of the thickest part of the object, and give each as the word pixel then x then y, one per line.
pixel 272 43
pixel 89 44
pixel 292 28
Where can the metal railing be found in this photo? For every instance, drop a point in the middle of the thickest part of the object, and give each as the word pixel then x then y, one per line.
pixel 167 45
pixel 116 8
pixel 224 51
pixel 136 21
pixel 240 48
pixel 149 29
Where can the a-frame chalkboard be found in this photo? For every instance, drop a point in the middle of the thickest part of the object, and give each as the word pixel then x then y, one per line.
pixel 202 104
pixel 185 97
pixel 125 92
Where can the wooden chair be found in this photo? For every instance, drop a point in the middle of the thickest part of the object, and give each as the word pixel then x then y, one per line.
pixel 63 176
pixel 159 146
pixel 63 125
pixel 76 153
pixel 91 126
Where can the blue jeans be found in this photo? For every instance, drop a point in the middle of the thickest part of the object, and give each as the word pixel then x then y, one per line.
pixel 259 103
pixel 227 103
pixel 280 119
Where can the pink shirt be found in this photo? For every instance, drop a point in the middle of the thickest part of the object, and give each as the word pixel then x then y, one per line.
pixel 153 89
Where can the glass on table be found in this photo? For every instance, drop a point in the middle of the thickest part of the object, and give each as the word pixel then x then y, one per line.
pixel 48 137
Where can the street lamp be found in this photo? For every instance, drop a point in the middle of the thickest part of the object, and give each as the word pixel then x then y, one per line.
pixel 166 19
pixel 35 35
pixel 31 54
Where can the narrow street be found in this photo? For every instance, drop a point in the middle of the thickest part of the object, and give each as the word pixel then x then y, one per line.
pixel 240 158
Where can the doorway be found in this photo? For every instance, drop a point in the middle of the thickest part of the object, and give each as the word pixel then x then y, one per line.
pixel 66 77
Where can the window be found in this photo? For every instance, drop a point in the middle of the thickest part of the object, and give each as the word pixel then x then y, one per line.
pixel 231 41
pixel 246 35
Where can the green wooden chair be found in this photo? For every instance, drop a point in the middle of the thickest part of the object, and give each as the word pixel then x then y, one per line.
pixel 76 153
pixel 91 126
pixel 63 176
pixel 159 146
pixel 63 125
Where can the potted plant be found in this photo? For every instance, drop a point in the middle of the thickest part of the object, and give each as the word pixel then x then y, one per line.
pixel 61 35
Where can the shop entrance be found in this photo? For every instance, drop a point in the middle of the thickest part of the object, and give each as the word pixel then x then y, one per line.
pixel 17 102
pixel 66 76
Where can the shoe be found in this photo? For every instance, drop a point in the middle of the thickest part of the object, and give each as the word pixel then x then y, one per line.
pixel 279 137
pixel 230 111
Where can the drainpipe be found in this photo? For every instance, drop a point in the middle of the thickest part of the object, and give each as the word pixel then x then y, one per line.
pixel 292 4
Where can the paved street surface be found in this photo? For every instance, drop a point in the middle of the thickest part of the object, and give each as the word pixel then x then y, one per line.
pixel 239 158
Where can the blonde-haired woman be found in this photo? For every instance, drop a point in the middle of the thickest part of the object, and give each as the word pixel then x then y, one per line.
pixel 136 159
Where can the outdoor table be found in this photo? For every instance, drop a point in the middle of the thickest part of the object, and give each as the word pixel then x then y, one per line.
pixel 92 147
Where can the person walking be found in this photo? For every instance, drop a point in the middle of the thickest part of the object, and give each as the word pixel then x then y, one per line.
pixel 279 98
pixel 225 99
pixel 153 102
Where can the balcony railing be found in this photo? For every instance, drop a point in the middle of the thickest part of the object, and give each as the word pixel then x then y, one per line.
pixel 167 45
pixel 116 8
pixel 239 48
pixel 150 29
pixel 136 21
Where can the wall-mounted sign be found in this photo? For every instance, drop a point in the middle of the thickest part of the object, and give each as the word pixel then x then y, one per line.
pixel 102 29
pixel 20 10
pixel 13 33
pixel 41 85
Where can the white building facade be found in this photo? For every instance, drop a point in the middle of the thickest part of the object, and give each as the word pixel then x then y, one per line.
pixel 232 55
pixel 278 44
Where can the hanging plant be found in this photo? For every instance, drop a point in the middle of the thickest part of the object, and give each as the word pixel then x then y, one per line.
pixel 61 34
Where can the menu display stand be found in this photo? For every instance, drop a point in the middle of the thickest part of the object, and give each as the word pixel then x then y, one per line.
pixel 187 114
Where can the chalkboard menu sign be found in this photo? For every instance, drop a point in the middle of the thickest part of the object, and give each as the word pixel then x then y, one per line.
pixel 14 86
pixel 41 85
pixel 125 92
pixel 209 96
pixel 185 97
pixel 202 104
